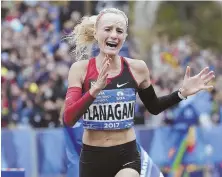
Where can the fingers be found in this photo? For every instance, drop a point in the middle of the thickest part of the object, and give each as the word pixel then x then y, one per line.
pixel 104 68
pixel 203 72
pixel 208 87
pixel 102 64
pixel 208 77
pixel 104 78
pixel 187 74
pixel 104 60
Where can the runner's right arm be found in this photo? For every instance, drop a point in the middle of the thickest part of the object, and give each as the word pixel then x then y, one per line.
pixel 76 104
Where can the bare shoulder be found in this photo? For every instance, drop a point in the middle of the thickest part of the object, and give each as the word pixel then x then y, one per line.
pixel 77 73
pixel 79 65
pixel 137 65
pixel 140 72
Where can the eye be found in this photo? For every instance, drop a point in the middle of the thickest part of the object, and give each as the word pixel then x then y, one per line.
pixel 120 31
pixel 107 29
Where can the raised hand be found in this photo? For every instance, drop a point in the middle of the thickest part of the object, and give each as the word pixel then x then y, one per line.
pixel 192 85
pixel 101 81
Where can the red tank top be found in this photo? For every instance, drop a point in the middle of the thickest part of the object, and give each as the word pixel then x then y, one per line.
pixel 114 105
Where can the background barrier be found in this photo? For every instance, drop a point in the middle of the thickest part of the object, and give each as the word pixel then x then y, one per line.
pixel 42 152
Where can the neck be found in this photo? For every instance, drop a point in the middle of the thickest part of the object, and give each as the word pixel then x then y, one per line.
pixel 114 63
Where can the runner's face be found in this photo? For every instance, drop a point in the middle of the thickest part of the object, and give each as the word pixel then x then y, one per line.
pixel 111 33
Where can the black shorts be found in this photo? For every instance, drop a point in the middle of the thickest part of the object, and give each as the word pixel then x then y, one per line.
pixel 108 161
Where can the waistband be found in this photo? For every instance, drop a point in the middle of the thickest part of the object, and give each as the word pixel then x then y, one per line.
pixel 128 145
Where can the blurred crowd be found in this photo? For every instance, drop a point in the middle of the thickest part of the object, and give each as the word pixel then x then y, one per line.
pixel 35 64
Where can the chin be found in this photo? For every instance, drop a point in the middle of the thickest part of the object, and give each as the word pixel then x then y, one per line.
pixel 111 53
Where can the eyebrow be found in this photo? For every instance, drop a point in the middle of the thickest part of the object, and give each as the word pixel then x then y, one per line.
pixel 111 26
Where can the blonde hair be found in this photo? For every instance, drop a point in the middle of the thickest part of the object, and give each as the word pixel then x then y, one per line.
pixel 83 34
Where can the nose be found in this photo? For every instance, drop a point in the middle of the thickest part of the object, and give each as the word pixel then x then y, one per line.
pixel 113 34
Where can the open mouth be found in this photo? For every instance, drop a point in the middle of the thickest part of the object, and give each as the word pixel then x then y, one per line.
pixel 112 44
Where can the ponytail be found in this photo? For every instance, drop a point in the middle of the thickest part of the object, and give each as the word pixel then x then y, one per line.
pixel 83 38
